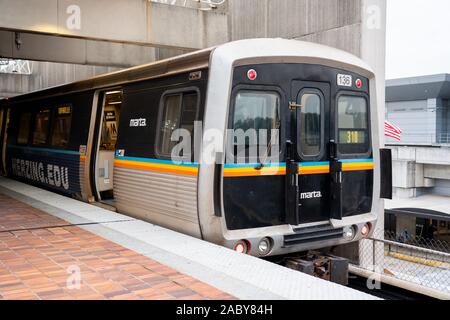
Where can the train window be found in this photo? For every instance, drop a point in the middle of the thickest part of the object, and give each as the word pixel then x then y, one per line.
pixel 353 128
pixel 180 111
pixel 24 130
pixel 255 111
pixel 189 112
pixel 169 123
pixel 41 125
pixel 311 124
pixel 61 126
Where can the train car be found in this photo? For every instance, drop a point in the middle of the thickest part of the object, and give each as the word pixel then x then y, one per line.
pixel 420 226
pixel 309 111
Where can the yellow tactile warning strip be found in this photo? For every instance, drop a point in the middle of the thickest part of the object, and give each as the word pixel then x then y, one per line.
pixel 43 258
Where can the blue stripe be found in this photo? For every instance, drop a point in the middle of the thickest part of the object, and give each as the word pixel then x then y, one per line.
pixel 357 161
pixel 302 164
pixel 45 150
pixel 159 161
pixel 313 164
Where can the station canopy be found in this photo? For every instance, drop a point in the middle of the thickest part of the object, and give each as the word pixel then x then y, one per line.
pixel 426 206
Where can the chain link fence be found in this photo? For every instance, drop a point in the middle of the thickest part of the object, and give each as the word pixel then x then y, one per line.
pixel 416 260
pixel 433 244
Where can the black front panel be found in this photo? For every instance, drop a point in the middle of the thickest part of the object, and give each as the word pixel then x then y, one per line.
pixel 314 209
pixel 256 201
pixel 386 173
pixel 253 199
pixel 357 192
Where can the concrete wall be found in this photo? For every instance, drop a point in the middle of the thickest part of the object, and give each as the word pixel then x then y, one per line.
pixel 442 187
pixel 337 23
pixel 447 104
pixel 421 170
pixel 47 74
pixel 351 25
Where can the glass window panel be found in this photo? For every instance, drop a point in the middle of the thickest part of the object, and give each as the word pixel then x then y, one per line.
pixel 352 112
pixel 311 124
pixel 61 126
pixel 41 124
pixel 190 102
pixel 353 124
pixel 180 112
pixel 258 111
pixel 24 130
pixel 169 123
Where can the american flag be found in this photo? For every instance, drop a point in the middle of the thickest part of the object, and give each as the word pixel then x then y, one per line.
pixel 392 131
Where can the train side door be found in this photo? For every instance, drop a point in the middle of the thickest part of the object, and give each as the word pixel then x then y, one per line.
pixel 310 138
pixel 108 134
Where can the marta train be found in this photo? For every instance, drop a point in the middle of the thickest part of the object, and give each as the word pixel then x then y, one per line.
pixel 113 139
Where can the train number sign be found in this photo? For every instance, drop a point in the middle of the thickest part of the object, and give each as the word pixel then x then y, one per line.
pixel 344 80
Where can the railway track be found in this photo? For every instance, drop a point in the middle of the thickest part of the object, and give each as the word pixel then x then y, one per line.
pixel 386 292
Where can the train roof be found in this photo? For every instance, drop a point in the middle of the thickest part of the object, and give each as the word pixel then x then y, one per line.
pixel 241 50
pixel 283 50
pixel 190 61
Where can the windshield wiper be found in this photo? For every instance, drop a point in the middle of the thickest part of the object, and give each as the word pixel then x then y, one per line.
pixel 262 162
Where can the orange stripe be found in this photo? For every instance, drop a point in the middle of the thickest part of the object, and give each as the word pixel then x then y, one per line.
pixel 359 168
pixel 316 171
pixel 186 172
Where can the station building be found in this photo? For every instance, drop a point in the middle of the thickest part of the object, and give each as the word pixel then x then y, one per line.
pixel 420 106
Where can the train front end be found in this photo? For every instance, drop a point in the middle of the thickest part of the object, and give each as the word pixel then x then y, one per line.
pixel 299 166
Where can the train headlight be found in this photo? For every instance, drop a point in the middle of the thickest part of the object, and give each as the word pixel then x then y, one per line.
pixel 349 233
pixel 264 246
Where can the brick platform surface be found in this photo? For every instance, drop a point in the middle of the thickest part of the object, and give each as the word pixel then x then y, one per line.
pixel 42 258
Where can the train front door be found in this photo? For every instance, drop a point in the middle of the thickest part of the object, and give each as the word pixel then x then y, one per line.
pixel 309 182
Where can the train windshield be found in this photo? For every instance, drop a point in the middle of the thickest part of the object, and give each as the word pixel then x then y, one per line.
pixel 353 124
pixel 256 110
pixel 256 115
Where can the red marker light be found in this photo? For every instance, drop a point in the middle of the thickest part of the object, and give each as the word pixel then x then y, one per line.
pixel 365 230
pixel 359 83
pixel 252 74
pixel 242 246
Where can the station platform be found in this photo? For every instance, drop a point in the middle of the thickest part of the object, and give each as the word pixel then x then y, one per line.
pixel 48 241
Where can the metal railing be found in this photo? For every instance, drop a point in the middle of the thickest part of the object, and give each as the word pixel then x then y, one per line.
pixel 418 261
